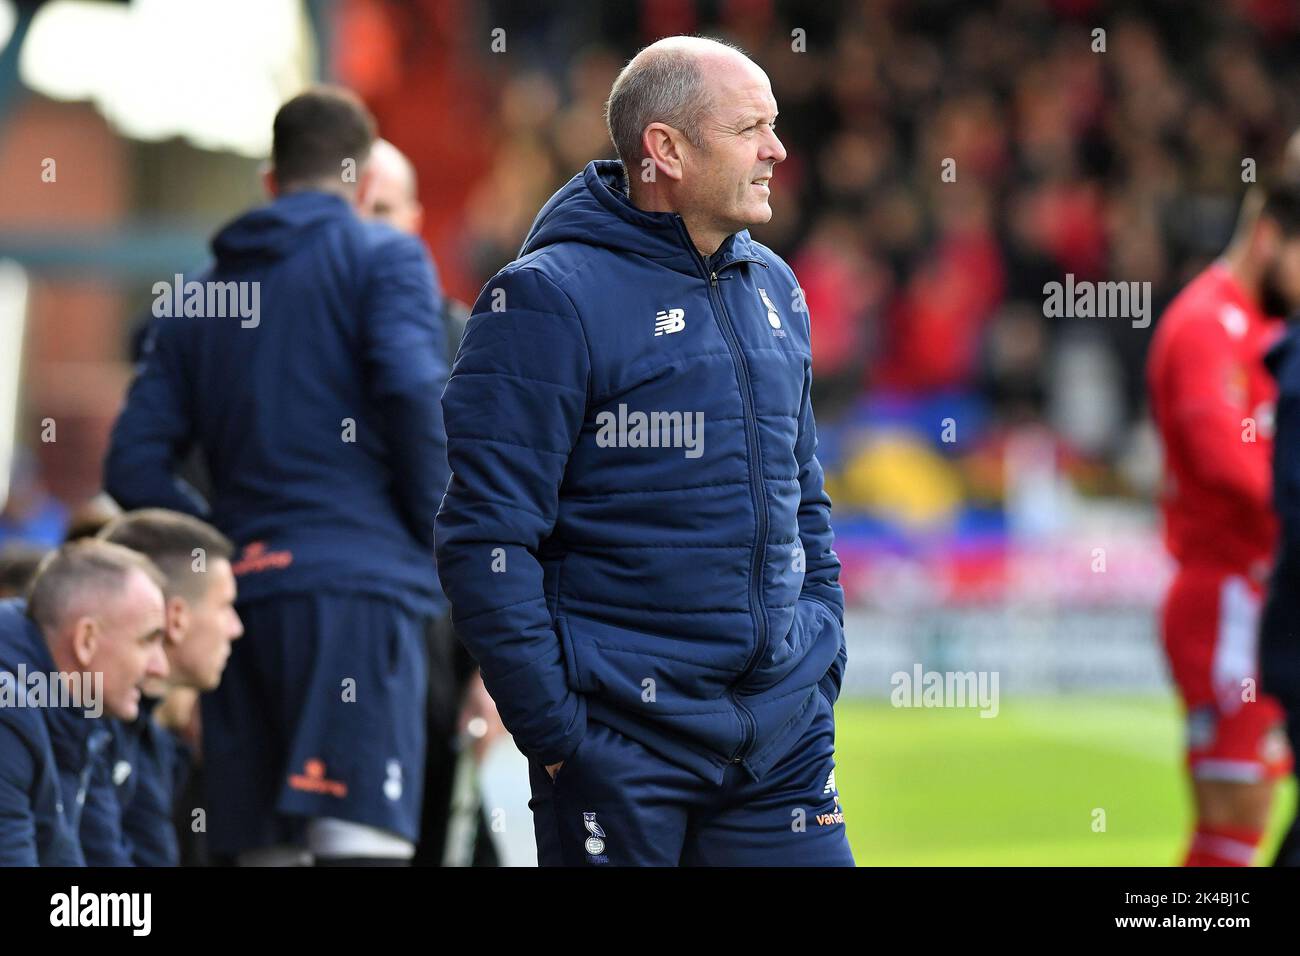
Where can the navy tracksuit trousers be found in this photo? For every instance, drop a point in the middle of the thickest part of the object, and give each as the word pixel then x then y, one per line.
pixel 615 802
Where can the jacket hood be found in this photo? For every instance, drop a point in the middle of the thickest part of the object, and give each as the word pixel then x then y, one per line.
pixel 273 230
pixel 593 208
pixel 21 641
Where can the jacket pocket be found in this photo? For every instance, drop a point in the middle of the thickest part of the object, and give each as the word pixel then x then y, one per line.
pixel 640 667
pixel 678 685
pixel 801 656
pixel 567 765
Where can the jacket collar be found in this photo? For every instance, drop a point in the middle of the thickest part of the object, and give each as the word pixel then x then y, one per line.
pixel 594 208
pixel 607 179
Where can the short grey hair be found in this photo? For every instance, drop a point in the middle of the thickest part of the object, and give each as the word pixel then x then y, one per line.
pixel 84 569
pixel 659 86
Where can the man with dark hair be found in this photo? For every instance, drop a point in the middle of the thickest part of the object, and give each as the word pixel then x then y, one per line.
pixel 151 762
pixel 319 421
pixel 82 645
pixel 1213 402
pixel 317 133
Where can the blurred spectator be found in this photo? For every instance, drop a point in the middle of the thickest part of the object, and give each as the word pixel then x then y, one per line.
pixel 31 514
pixel 18 563
pixel 91 516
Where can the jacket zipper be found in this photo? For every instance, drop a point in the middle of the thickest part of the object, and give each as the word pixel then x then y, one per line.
pixel 755 487
pixel 96 743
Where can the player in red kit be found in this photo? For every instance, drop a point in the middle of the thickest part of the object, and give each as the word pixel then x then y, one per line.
pixel 1212 399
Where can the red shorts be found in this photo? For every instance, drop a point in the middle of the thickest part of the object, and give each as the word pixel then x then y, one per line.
pixel 1211 635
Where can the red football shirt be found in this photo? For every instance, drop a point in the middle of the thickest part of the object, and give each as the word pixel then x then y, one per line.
pixel 1213 404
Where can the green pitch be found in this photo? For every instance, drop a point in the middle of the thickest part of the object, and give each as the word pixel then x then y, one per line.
pixel 934 787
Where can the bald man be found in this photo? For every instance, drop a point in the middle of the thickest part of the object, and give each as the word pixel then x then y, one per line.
pixel 392 196
pixel 636 539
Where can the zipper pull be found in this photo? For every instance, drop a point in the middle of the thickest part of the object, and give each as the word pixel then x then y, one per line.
pixel 713 278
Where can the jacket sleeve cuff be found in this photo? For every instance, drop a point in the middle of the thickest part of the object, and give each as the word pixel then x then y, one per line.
pixel 562 748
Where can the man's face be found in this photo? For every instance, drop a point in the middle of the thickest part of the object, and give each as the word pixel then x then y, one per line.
pixel 199 658
pixel 725 180
pixel 389 197
pixel 126 644
pixel 1280 289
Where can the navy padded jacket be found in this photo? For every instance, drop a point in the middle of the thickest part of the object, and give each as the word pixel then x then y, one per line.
pixel 52 774
pixel 150 766
pixel 687 596
pixel 320 424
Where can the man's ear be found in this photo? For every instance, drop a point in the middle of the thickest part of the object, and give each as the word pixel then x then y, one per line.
pixel 178 619
pixel 366 180
pixel 662 144
pixel 85 640
pixel 269 181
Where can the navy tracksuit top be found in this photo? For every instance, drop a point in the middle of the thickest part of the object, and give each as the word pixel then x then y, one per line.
pixel 319 421
pixel 688 596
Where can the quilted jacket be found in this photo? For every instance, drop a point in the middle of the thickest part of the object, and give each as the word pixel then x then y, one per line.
pixel 636 530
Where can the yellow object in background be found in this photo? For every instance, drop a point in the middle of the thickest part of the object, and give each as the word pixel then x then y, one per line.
pixel 900 477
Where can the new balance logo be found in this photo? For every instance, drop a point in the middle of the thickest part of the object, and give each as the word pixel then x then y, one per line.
pixel 836 814
pixel 669 321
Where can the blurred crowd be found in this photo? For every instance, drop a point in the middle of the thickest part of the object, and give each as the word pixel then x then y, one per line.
pixel 946 161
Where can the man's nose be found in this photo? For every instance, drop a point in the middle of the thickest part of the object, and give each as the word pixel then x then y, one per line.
pixel 773 151
pixel 158 663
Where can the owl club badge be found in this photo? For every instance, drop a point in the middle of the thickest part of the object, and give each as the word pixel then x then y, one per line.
pixel 595 844
pixel 773 317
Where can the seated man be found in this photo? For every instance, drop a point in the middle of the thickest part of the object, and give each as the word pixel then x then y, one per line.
pixel 150 761
pixel 87 637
